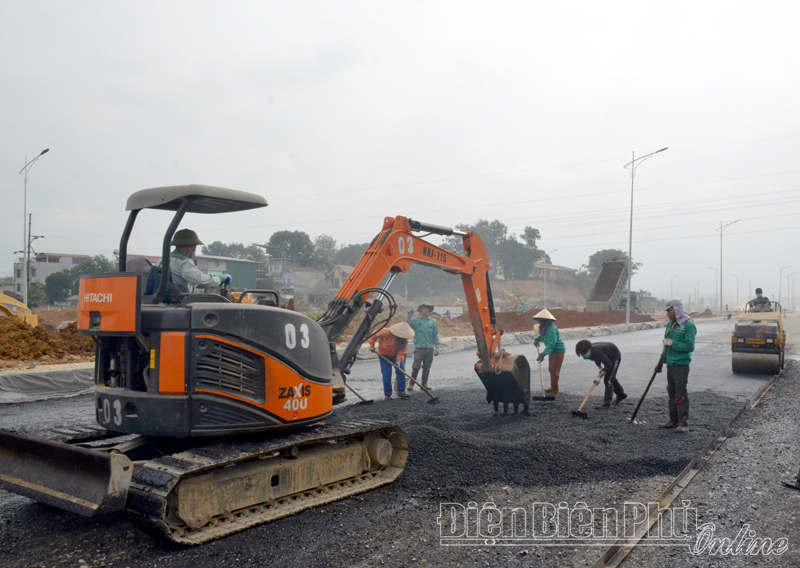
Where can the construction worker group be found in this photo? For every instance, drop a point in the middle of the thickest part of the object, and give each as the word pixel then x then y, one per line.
pixel 678 345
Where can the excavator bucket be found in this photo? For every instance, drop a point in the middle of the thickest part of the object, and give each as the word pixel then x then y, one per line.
pixel 508 381
pixel 73 478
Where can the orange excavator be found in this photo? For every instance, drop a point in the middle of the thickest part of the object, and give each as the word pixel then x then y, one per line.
pixel 212 413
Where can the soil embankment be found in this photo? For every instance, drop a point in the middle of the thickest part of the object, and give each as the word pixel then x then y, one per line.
pixel 21 345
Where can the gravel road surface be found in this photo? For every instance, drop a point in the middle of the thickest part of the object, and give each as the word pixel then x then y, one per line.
pixel 458 454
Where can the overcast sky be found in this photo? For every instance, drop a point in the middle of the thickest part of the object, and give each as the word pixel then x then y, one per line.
pixel 342 113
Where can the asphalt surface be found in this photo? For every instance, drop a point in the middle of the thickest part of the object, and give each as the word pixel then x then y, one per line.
pixel 710 369
pixel 458 454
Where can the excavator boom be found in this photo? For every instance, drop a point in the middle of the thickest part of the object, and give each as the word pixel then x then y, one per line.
pixel 394 250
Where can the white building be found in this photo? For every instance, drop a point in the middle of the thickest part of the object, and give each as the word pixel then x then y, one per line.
pixel 43 265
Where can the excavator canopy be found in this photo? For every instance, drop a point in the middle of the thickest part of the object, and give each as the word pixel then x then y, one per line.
pixel 208 199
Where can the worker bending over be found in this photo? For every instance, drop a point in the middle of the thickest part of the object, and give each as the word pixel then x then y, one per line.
pixel 607 357
pixel 393 346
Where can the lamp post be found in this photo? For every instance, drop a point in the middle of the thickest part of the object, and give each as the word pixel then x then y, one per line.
pixel 697 296
pixel 545 277
pixel 792 298
pixel 788 290
pixel 633 165
pixel 780 281
pixel 671 297
pixel 721 230
pixel 716 282
pixel 25 169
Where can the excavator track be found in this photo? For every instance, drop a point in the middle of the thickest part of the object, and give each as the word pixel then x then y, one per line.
pixel 213 491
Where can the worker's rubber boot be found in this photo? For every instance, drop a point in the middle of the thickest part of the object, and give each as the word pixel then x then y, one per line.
pixel 608 395
pixel 619 391
pixel 683 417
pixel 673 415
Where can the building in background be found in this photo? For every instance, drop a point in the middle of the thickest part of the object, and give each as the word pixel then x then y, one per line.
pixel 43 265
pixel 244 273
pixel 337 275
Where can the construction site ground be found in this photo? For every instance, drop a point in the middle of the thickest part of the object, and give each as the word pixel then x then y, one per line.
pixel 460 454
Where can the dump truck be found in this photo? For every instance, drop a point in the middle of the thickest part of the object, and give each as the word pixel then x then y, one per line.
pixel 758 340
pixel 609 292
pixel 216 415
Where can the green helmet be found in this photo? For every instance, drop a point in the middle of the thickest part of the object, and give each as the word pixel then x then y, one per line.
pixel 185 237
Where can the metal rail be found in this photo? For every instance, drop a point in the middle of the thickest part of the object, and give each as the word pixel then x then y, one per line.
pixel 617 552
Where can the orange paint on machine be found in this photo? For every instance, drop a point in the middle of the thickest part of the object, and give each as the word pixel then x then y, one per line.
pixel 109 304
pixel 287 395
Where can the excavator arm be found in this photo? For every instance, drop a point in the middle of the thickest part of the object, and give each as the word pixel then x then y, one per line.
pixel 393 251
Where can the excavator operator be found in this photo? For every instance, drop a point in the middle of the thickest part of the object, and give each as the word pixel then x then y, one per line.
pixel 183 269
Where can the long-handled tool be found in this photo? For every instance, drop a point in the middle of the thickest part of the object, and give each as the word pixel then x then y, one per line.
pixel 363 400
pixel 655 372
pixel 579 413
pixel 412 379
pixel 541 380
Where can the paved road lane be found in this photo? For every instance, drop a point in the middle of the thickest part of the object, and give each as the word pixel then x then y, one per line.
pixel 710 370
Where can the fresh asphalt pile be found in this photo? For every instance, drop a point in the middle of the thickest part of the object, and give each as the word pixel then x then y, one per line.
pixel 458 453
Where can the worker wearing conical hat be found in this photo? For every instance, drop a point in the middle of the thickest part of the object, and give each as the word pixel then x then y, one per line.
pixel 554 348
pixel 393 345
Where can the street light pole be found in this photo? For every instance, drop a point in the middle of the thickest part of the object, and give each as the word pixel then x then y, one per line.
pixel 545 277
pixel 788 289
pixel 697 296
pixel 792 298
pixel 780 281
pixel 25 169
pixel 737 290
pixel 716 282
pixel 671 297
pixel 633 165
pixel 721 230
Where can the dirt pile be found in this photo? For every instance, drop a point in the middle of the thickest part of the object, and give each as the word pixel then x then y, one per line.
pixel 21 343
pixel 456 327
pixel 511 322
pixel 55 317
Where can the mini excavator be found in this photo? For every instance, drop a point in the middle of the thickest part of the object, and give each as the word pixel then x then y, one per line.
pixel 215 415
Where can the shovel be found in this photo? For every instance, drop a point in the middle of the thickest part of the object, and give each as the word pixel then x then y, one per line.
pixel 579 413
pixel 412 379
pixel 541 380
pixel 363 400
pixel 655 372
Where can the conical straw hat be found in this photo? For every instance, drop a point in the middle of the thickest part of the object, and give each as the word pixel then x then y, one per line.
pixel 402 330
pixel 544 315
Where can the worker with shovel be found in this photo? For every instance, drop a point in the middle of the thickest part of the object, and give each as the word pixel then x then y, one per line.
pixel 393 344
pixel 553 348
pixel 426 342
pixel 607 357
pixel 679 343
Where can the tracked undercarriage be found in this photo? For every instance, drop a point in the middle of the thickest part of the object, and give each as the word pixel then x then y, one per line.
pixel 202 493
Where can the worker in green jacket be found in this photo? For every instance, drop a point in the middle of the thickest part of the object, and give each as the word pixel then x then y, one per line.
pixel 426 342
pixel 553 348
pixel 679 338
